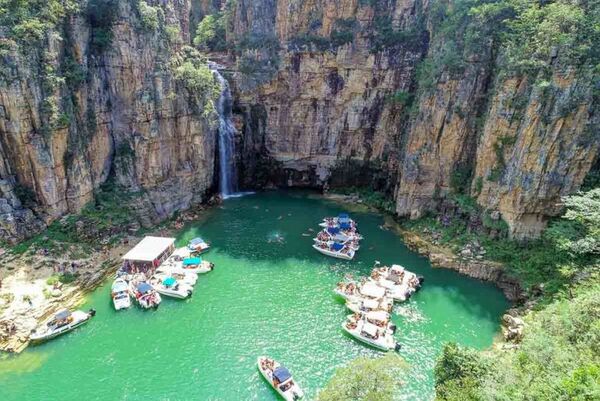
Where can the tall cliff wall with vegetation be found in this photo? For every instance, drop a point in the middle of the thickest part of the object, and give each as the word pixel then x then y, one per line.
pixel 423 101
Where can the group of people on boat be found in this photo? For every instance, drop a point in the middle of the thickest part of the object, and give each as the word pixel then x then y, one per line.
pixel 339 237
pixel 371 299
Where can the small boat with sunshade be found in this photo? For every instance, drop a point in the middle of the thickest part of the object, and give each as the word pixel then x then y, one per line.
pixel 198 245
pixel 280 378
pixel 170 287
pixel 61 323
pixel 145 295
pixel 196 265
pixel 334 249
pixel 119 292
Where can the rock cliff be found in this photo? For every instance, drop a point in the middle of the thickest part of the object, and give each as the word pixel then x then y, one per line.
pixel 412 98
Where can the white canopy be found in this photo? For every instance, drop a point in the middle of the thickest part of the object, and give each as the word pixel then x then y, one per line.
pixel 371 304
pixel 370 329
pixel 148 249
pixel 397 268
pixel 372 290
pixel 380 316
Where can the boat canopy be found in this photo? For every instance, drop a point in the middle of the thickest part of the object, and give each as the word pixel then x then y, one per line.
pixel 144 287
pixel 343 216
pixel 336 246
pixel 169 281
pixel 370 303
pixel 345 226
pixel 372 290
pixel 281 374
pixel 370 329
pixel 119 285
pixel 197 241
pixel 149 249
pixel 333 230
pixel 191 261
pixel 397 268
pixel 62 314
pixel 380 316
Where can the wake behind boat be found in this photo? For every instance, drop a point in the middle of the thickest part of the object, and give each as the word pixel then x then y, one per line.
pixel 279 378
pixel 61 323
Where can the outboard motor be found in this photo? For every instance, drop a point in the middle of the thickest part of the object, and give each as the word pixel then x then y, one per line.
pixel 398 347
pixel 393 328
pixel 92 312
pixel 421 281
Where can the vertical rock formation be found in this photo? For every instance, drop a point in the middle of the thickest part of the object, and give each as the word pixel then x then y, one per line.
pixel 81 108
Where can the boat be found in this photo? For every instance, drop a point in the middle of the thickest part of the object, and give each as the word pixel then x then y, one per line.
pixel 399 275
pixel 145 295
pixel 171 288
pixel 370 305
pixel 353 292
pixel 61 323
pixel 334 249
pixel 196 265
pixel 279 378
pixel 120 294
pixel 332 234
pixel 180 274
pixel 341 219
pixel 381 319
pixel 198 245
pixel 368 333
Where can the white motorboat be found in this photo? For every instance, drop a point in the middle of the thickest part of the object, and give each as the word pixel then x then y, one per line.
pixel 334 249
pixel 279 378
pixel 198 245
pixel 354 292
pixel 171 288
pixel 369 333
pixel 197 265
pixel 62 322
pixel 341 219
pixel 398 275
pixel 145 295
pixel 370 305
pixel 325 237
pixel 120 294
pixel 381 319
pixel 180 274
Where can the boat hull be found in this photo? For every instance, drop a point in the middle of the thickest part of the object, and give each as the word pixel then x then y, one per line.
pixel 81 319
pixel 386 345
pixel 333 254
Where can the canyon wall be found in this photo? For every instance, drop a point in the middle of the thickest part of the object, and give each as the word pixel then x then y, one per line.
pixel 76 111
pixel 380 94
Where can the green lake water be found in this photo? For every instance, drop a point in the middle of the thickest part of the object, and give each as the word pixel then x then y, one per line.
pixel 264 298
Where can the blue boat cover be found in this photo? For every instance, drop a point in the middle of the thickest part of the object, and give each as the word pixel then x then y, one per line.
pixel 333 230
pixel 144 287
pixel 343 216
pixel 196 241
pixel 345 226
pixel 191 261
pixel 336 246
pixel 169 281
pixel 281 374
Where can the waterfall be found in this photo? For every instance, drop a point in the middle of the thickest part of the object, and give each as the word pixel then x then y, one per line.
pixel 227 132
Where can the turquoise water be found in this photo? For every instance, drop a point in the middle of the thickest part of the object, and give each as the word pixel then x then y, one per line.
pixel 270 294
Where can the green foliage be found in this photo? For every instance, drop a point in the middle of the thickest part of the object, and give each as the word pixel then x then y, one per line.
pixel 173 33
pixel 365 379
pixel 150 16
pixel 402 98
pixel 558 358
pixel 460 179
pixel 385 35
pixel 101 16
pixel 458 373
pixel 210 34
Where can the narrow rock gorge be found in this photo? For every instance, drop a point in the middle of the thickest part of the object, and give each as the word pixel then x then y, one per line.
pixel 415 99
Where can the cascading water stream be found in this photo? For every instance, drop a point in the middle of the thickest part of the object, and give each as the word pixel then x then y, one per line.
pixel 227 132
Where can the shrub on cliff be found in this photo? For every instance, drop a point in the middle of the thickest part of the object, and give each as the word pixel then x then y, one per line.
pixel 210 34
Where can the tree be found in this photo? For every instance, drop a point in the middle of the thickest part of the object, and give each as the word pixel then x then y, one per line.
pixel 458 373
pixel 210 34
pixel 365 379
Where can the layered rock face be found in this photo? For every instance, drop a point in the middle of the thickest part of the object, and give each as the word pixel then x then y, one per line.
pixel 76 112
pixel 325 113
